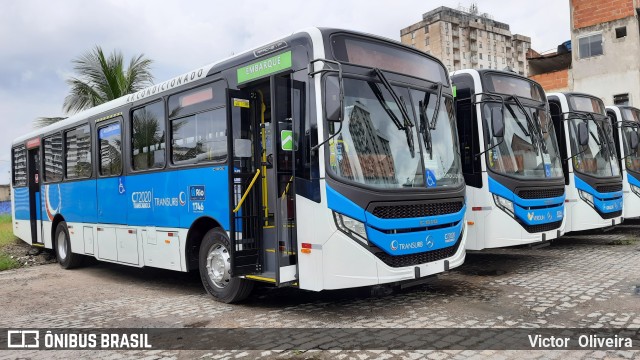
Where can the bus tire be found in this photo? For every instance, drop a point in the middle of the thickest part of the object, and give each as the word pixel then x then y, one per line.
pixel 66 258
pixel 215 269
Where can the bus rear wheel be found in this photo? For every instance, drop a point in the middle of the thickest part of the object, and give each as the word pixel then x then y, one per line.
pixel 66 258
pixel 215 269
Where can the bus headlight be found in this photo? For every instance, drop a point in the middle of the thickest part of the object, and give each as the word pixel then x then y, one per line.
pixel 635 189
pixel 504 204
pixel 351 227
pixel 586 197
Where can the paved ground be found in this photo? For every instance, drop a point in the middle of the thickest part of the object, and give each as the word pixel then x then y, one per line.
pixel 584 280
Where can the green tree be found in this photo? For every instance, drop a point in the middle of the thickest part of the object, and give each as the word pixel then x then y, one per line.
pixel 101 79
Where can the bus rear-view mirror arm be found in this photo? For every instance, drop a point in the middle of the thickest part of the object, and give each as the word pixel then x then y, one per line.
pixel 333 95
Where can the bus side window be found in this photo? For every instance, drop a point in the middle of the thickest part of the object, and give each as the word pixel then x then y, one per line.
pixel 78 152
pixel 148 137
pixel 19 166
pixel 52 156
pixel 110 149
pixel 198 125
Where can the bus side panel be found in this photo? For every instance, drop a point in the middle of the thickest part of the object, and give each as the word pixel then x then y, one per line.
pixel 175 199
pixel 111 201
pixel 79 203
pixel 21 224
pixel 207 194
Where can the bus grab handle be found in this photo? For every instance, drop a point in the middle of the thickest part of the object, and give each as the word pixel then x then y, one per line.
pixel 246 192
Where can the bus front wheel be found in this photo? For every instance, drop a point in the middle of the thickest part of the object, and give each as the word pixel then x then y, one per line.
pixel 66 258
pixel 215 269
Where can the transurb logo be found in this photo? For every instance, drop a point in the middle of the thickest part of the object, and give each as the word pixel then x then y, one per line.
pixel 394 245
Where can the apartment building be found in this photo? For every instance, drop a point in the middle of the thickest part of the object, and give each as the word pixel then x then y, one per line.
pixel 464 38
pixel 606 45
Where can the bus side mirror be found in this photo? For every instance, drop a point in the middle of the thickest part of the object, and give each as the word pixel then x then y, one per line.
pixel 333 99
pixel 497 122
pixel 583 134
pixel 633 139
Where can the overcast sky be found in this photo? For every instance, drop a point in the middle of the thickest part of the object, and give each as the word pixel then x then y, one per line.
pixel 39 38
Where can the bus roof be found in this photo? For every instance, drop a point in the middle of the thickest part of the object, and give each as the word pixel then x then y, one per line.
pixel 124 100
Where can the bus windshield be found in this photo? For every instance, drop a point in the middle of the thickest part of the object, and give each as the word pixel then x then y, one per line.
pixel 630 124
pixel 375 147
pixel 528 148
pixel 599 157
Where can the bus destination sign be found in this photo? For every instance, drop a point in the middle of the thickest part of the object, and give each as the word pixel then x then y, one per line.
pixel 265 67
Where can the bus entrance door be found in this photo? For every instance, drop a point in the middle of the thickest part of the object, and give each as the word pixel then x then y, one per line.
pixel 35 201
pixel 245 193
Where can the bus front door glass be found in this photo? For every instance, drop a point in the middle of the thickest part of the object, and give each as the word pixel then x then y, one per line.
pixel 245 208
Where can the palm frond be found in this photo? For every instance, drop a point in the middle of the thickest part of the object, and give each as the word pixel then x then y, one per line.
pixel 46 121
pixel 100 78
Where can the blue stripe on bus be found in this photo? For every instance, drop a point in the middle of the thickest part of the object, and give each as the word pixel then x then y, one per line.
pixel 539 216
pixel 154 199
pixel 633 180
pixel 603 202
pixel 341 204
pixel 416 240
pixel 21 203
pixel 553 210
pixel 496 188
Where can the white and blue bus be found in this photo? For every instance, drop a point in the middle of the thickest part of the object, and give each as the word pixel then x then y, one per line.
pixel 591 164
pixel 625 121
pixel 321 161
pixel 510 160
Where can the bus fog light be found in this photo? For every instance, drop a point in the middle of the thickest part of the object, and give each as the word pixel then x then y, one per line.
pixel 504 204
pixel 635 189
pixel 351 227
pixel 586 197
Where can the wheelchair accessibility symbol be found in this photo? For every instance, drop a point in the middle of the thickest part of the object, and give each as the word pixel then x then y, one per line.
pixel 121 189
pixel 431 178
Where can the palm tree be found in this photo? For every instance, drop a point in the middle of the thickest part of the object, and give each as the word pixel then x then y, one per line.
pixel 101 79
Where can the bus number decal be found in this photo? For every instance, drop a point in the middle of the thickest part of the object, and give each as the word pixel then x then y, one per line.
pixel 197 197
pixel 141 199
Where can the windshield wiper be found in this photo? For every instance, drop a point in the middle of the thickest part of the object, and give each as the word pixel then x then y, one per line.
pixel 535 128
pixel 427 125
pixel 425 129
pixel 408 124
pixel 436 110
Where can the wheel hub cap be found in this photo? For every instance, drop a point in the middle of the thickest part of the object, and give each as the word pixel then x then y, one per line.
pixel 62 246
pixel 218 266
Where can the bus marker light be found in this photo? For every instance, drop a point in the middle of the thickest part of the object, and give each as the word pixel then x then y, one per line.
pixel 470 223
pixel 167 241
pixel 480 208
pixel 306 251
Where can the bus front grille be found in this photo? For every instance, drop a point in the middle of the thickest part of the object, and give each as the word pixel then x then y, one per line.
pixel 541 193
pixel 542 227
pixel 610 215
pixel 420 258
pixel 609 188
pixel 417 210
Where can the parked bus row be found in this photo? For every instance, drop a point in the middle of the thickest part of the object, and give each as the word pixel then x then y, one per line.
pixel 327 159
